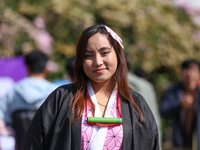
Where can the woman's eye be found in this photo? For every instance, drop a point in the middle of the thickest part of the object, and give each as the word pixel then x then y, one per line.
pixel 105 53
pixel 88 56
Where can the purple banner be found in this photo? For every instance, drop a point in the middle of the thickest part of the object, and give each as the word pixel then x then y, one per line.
pixel 13 67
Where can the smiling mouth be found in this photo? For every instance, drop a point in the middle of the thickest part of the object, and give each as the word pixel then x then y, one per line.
pixel 99 70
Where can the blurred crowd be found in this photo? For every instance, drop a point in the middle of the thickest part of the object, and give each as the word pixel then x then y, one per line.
pixel 24 88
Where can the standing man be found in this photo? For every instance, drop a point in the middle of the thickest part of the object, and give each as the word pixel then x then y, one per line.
pixel 19 105
pixel 182 104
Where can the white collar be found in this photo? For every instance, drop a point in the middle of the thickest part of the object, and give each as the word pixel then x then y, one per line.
pixel 99 133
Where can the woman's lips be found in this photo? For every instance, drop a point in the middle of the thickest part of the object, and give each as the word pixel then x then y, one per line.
pixel 99 70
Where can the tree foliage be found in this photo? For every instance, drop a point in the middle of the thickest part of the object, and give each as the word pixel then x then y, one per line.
pixel 155 34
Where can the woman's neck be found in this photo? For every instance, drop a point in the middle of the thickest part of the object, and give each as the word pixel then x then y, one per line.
pixel 102 92
pixel 103 88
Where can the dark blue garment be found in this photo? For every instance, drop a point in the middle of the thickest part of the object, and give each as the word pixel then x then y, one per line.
pixel 170 108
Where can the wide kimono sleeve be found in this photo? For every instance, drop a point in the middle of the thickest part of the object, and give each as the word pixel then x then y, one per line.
pixel 151 126
pixel 143 134
pixel 43 128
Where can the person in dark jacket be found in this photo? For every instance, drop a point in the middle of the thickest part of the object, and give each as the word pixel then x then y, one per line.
pixel 182 104
pixel 98 111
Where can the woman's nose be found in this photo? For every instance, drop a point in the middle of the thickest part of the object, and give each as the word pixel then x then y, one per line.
pixel 97 61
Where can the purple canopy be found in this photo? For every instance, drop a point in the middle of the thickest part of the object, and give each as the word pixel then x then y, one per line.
pixel 13 67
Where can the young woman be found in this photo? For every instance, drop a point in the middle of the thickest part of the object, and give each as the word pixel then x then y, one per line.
pixel 98 111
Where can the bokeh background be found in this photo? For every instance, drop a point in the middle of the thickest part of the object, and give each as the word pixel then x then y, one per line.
pixel 157 34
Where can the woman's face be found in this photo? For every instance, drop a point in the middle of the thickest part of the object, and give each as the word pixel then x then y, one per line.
pixel 100 60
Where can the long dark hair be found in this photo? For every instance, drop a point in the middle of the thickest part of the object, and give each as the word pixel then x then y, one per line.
pixel 81 78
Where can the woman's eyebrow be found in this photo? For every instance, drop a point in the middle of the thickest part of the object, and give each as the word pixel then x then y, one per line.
pixel 88 51
pixel 104 48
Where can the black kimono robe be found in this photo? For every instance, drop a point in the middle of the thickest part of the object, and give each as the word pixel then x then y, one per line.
pixel 52 128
